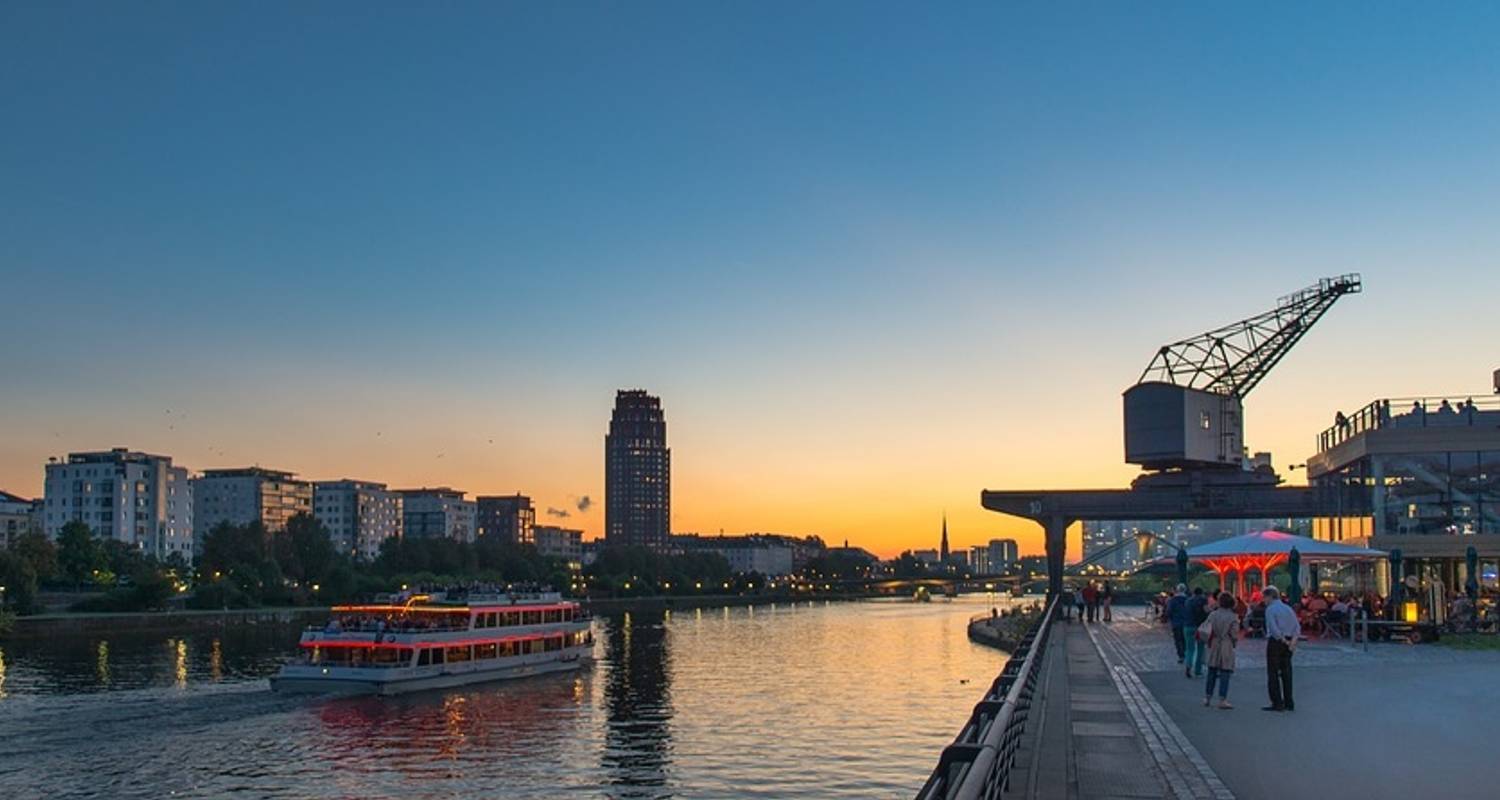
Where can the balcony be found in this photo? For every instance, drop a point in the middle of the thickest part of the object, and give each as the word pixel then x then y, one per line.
pixel 1412 412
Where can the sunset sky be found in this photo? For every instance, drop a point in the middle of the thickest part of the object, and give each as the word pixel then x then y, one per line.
pixel 873 258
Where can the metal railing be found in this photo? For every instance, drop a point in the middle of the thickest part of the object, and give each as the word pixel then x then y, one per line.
pixel 978 763
pixel 1413 412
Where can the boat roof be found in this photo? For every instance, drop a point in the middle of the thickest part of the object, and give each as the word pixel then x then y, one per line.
pixel 459 602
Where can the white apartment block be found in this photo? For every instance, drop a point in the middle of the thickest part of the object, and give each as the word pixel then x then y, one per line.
pixel 440 512
pixel 17 517
pixel 359 515
pixel 564 543
pixel 245 495
pixel 136 498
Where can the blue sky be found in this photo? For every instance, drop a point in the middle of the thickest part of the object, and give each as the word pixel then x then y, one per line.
pixel 875 257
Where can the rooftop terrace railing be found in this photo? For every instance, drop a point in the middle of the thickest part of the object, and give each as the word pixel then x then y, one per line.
pixel 1412 412
pixel 977 765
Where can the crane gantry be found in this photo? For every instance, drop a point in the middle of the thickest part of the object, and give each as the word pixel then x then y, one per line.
pixel 1186 411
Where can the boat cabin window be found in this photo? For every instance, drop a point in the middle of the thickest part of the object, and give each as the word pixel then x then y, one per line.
pixel 485 650
pixel 454 654
pixel 360 656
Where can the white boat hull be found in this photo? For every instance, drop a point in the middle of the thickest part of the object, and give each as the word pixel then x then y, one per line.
pixel 302 678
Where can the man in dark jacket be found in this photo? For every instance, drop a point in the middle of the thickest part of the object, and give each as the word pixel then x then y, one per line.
pixel 1196 651
pixel 1179 619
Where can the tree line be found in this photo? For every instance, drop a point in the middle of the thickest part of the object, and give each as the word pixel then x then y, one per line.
pixel 245 566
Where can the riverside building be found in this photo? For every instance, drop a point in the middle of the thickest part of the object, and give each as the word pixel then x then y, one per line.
pixel 637 473
pixel 509 518
pixel 438 512
pixel 564 543
pixel 132 497
pixel 1425 479
pixel 17 517
pixel 359 515
pixel 248 494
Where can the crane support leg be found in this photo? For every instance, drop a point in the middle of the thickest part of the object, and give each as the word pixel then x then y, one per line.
pixel 1056 528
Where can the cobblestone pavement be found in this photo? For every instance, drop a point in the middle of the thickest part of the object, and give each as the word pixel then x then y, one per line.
pixel 1393 720
pixel 1146 646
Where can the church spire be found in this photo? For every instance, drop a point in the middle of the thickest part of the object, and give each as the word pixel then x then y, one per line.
pixel 943 552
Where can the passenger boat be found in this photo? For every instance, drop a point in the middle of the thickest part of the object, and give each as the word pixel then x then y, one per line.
pixel 412 641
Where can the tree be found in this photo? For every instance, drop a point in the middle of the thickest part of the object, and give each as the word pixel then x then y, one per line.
pixel 19 579
pixel 230 547
pixel 123 559
pixel 39 552
pixel 304 551
pixel 79 554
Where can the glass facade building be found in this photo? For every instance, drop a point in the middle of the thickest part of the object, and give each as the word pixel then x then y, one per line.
pixel 1425 475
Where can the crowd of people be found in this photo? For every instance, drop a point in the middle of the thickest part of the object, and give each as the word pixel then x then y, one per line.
pixel 1208 637
pixel 1094 601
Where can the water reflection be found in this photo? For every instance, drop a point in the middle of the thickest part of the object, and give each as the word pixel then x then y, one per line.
pixel 179 652
pixel 101 663
pixel 71 663
pixel 693 704
pixel 638 705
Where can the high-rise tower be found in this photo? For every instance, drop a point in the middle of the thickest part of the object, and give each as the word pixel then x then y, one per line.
pixel 637 473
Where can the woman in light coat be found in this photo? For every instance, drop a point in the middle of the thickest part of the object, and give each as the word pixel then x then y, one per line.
pixel 1224 633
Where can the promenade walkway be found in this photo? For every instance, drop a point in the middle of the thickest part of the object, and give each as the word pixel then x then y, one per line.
pixel 1116 718
pixel 1095 733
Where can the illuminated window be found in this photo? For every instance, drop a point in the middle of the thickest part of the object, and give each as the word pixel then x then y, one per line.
pixel 1203 420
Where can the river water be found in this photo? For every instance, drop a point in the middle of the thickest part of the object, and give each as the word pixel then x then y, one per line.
pixel 812 700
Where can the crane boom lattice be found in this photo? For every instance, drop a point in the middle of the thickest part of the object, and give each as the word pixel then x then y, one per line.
pixel 1231 360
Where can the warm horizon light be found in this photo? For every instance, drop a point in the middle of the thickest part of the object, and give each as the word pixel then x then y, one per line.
pixel 908 258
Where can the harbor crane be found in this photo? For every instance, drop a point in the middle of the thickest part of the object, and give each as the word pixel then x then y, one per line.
pixel 1184 417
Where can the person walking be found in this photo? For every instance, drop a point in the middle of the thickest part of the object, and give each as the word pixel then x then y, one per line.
pixel 1067 602
pixel 1197 649
pixel 1282 632
pixel 1223 635
pixel 1177 617
pixel 1107 599
pixel 1091 601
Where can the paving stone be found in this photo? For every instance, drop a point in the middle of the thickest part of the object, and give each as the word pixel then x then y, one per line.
pixel 1104 729
pixel 1076 705
pixel 1112 715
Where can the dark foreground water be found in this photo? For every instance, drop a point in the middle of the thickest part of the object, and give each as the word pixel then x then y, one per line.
pixel 814 700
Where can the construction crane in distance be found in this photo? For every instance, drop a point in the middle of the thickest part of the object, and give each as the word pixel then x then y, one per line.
pixel 1184 418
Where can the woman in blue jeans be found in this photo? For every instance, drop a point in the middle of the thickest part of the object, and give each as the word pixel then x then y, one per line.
pixel 1224 634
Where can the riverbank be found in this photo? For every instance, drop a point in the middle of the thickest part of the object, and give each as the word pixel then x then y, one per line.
pixel 185 621
pixel 68 623
pixel 1004 632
